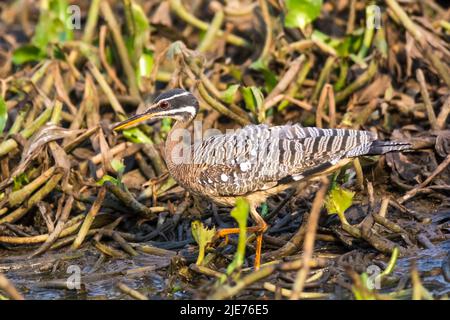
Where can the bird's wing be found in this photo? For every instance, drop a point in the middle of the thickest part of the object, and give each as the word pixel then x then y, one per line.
pixel 258 157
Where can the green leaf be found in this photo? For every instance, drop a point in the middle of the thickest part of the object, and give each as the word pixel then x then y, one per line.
pixel 240 214
pixel 52 25
pixel 136 135
pixel 145 66
pixel 27 53
pixel 146 62
pixel 203 236
pixel 141 23
pixel 118 165
pixel 254 101
pixel 229 94
pixel 343 46
pixel 338 201
pixel 19 181
pixel 140 35
pixel 270 78
pixel 3 114
pixel 301 12
pixel 108 178
pixel 253 98
pixel 248 99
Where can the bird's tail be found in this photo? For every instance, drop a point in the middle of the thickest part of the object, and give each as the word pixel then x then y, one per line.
pixel 382 147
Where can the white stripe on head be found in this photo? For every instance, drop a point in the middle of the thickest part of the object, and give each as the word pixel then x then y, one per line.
pixel 175 96
pixel 189 109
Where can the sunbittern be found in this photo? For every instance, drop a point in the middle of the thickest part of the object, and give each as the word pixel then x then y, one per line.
pixel 255 162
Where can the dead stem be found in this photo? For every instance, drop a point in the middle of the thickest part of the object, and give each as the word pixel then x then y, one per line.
pixel 308 244
pixel 426 99
pixel 131 292
pixel 181 11
pixel 9 288
pixel 127 198
pixel 121 47
pixel 58 229
pixel 411 193
pixel 89 219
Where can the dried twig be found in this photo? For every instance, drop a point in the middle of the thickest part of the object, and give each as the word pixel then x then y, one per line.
pixel 308 244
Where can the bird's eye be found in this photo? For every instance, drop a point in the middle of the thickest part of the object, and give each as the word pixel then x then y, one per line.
pixel 164 104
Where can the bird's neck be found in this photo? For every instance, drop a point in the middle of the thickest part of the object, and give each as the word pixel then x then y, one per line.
pixel 178 147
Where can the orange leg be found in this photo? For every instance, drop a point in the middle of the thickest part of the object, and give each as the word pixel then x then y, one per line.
pixel 227 231
pixel 259 229
pixel 262 227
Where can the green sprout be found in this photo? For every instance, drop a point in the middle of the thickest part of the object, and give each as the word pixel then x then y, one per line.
pixel 338 201
pixel 203 236
pixel 240 214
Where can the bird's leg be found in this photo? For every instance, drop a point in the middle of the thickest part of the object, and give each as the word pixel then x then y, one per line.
pixel 261 227
pixel 227 231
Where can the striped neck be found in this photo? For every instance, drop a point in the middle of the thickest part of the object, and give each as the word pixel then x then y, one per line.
pixel 176 145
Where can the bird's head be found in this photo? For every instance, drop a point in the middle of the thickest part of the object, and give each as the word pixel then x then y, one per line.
pixel 177 104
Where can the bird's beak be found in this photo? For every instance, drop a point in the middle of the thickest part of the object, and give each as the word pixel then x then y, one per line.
pixel 132 121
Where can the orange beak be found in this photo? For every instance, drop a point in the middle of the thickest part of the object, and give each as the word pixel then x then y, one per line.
pixel 132 121
pixel 137 118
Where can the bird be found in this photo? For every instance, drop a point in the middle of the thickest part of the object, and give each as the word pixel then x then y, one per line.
pixel 254 162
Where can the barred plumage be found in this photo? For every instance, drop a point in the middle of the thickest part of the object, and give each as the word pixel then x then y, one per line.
pixel 256 161
pixel 259 157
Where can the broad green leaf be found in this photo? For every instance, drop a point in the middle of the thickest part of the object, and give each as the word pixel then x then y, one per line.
pixel 27 53
pixel 338 200
pixel 301 12
pixel 229 94
pixel 52 27
pixel 203 236
pixel 3 114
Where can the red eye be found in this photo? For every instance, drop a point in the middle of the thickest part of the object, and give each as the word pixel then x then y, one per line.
pixel 164 104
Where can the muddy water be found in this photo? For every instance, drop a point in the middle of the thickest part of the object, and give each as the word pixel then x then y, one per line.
pixel 429 262
pixel 47 277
